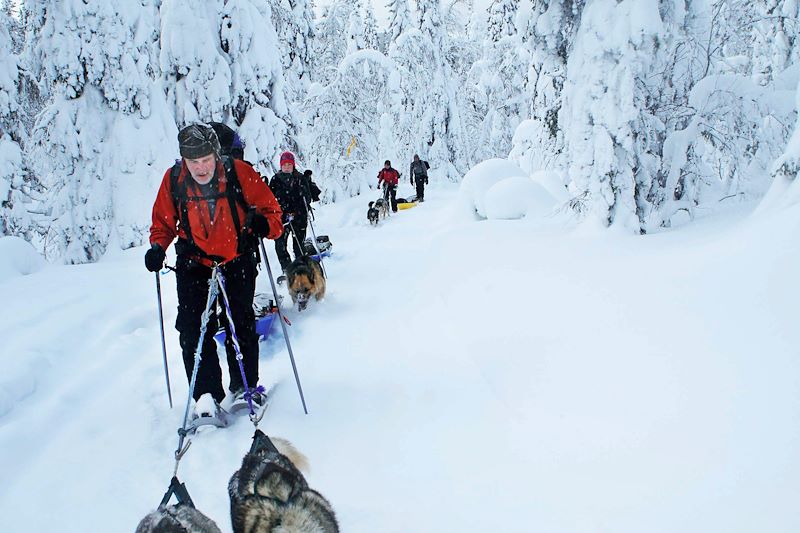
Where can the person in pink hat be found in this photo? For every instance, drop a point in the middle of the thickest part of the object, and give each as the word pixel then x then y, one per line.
pixel 294 192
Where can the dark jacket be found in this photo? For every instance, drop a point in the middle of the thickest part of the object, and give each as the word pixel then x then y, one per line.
pixel 294 191
pixel 419 171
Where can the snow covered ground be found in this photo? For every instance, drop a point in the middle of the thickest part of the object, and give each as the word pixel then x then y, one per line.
pixel 461 376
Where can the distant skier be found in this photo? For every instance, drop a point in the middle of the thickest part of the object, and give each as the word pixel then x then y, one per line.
pixel 419 176
pixel 214 206
pixel 388 178
pixel 294 192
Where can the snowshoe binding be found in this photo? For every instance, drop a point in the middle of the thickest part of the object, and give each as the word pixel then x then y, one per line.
pixel 260 398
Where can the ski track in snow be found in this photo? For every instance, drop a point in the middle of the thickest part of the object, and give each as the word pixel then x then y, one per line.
pixel 460 376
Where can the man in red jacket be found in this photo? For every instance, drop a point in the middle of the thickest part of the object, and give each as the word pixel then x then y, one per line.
pixel 218 209
pixel 389 178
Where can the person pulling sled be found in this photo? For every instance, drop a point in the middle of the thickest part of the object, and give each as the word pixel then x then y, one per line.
pixel 419 176
pixel 388 178
pixel 294 192
pixel 218 209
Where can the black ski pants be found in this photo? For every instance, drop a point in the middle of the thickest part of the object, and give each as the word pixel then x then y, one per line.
pixel 297 227
pixel 240 285
pixel 421 190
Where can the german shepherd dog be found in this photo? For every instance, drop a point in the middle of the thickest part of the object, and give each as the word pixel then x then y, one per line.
pixel 305 279
pixel 268 494
pixel 373 214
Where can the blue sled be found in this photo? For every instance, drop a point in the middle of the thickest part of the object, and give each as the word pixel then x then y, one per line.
pixel 263 327
pixel 318 257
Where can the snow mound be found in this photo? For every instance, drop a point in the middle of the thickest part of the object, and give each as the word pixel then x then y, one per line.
pixel 18 258
pixel 553 182
pixel 517 197
pixel 480 179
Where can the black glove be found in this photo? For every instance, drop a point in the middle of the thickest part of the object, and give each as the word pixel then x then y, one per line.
pixel 154 258
pixel 260 226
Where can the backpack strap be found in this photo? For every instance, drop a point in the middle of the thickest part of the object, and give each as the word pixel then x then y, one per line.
pixel 233 192
pixel 180 197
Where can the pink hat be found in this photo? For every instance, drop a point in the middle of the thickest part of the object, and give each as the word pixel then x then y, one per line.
pixel 287 157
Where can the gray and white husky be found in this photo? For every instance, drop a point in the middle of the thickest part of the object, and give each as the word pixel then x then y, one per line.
pixel 268 495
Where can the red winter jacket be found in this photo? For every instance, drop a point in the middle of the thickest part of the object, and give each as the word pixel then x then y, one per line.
pixel 218 238
pixel 389 175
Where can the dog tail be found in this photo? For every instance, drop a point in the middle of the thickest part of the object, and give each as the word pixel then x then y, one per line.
pixel 293 454
pixel 371 204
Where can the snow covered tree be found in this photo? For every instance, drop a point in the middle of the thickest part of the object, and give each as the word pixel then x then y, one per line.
pixel 785 187
pixel 348 128
pixel 196 71
pixel 370 29
pixel 99 146
pixel 608 124
pixel 501 19
pixel 355 30
pixel 330 41
pixel 722 132
pixel 259 108
pixel 539 141
pixel 399 18
pixel 14 219
pixel 500 76
pixel 13 24
pixel 427 116
pixel 293 20
pixel 776 37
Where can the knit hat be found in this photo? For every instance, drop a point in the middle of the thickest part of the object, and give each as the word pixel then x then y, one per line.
pixel 287 157
pixel 197 140
pixel 387 162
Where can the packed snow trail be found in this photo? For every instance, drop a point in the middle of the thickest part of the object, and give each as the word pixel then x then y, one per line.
pixel 460 376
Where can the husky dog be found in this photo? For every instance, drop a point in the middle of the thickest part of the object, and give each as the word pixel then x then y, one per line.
pixel 382 205
pixel 372 214
pixel 305 280
pixel 269 494
pixel 178 518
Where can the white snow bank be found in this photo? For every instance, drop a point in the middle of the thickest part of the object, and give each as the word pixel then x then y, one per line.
pixel 480 179
pixel 517 197
pixel 500 189
pixel 18 258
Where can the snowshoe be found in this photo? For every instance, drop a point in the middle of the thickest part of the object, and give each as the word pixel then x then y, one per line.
pixel 207 412
pixel 260 400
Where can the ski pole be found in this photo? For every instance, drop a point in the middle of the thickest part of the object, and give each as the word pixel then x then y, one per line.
pixel 283 324
pixel 213 291
pixel 296 239
pixel 163 341
pixel 314 238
